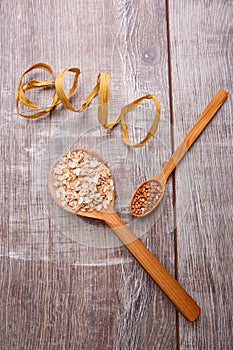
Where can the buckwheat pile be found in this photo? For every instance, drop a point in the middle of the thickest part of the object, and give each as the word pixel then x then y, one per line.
pixel 146 197
pixel 82 182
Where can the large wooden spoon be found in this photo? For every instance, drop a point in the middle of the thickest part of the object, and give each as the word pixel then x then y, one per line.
pixel 177 295
pixel 150 192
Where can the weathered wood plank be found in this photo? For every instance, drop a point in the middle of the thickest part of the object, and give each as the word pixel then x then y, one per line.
pixel 200 35
pixel 57 293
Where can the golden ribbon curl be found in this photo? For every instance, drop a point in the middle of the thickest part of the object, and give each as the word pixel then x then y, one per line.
pixel 101 88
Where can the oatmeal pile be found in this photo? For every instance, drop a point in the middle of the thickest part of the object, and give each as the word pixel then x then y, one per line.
pixel 82 182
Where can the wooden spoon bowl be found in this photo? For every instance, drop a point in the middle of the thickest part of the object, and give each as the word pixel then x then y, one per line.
pixel 94 214
pixel 173 290
pixel 148 195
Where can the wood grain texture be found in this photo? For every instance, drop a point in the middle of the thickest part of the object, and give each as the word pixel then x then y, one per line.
pixel 200 37
pixel 52 297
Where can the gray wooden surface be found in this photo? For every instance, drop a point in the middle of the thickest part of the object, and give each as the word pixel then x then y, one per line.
pixel 57 293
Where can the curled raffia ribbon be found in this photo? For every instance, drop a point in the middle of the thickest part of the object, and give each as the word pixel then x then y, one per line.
pixel 101 88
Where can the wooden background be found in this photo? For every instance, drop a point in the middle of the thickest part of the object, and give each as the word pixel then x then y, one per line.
pixel 181 51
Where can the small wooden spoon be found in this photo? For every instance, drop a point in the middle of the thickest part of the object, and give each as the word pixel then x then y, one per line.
pixel 150 192
pixel 178 296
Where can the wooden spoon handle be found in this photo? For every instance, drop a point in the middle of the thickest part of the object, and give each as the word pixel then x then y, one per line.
pixel 195 132
pixel 173 290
